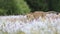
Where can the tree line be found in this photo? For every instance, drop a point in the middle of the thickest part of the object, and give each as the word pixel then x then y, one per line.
pixel 16 7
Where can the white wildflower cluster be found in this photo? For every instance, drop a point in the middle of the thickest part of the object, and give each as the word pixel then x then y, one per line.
pixel 50 24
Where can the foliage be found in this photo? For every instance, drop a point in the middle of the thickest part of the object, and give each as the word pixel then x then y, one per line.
pixel 56 5
pixel 21 7
pixel 3 12
pixel 14 7
pixel 37 5
pixel 45 5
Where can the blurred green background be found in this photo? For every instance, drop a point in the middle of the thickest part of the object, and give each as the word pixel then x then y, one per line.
pixel 17 7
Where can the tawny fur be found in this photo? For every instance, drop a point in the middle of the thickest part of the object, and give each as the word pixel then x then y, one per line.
pixel 36 15
pixel 39 14
pixel 30 16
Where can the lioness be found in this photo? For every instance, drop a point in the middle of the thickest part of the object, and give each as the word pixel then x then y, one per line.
pixel 36 15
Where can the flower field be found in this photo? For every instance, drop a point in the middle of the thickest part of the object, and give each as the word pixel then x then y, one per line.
pixel 41 23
